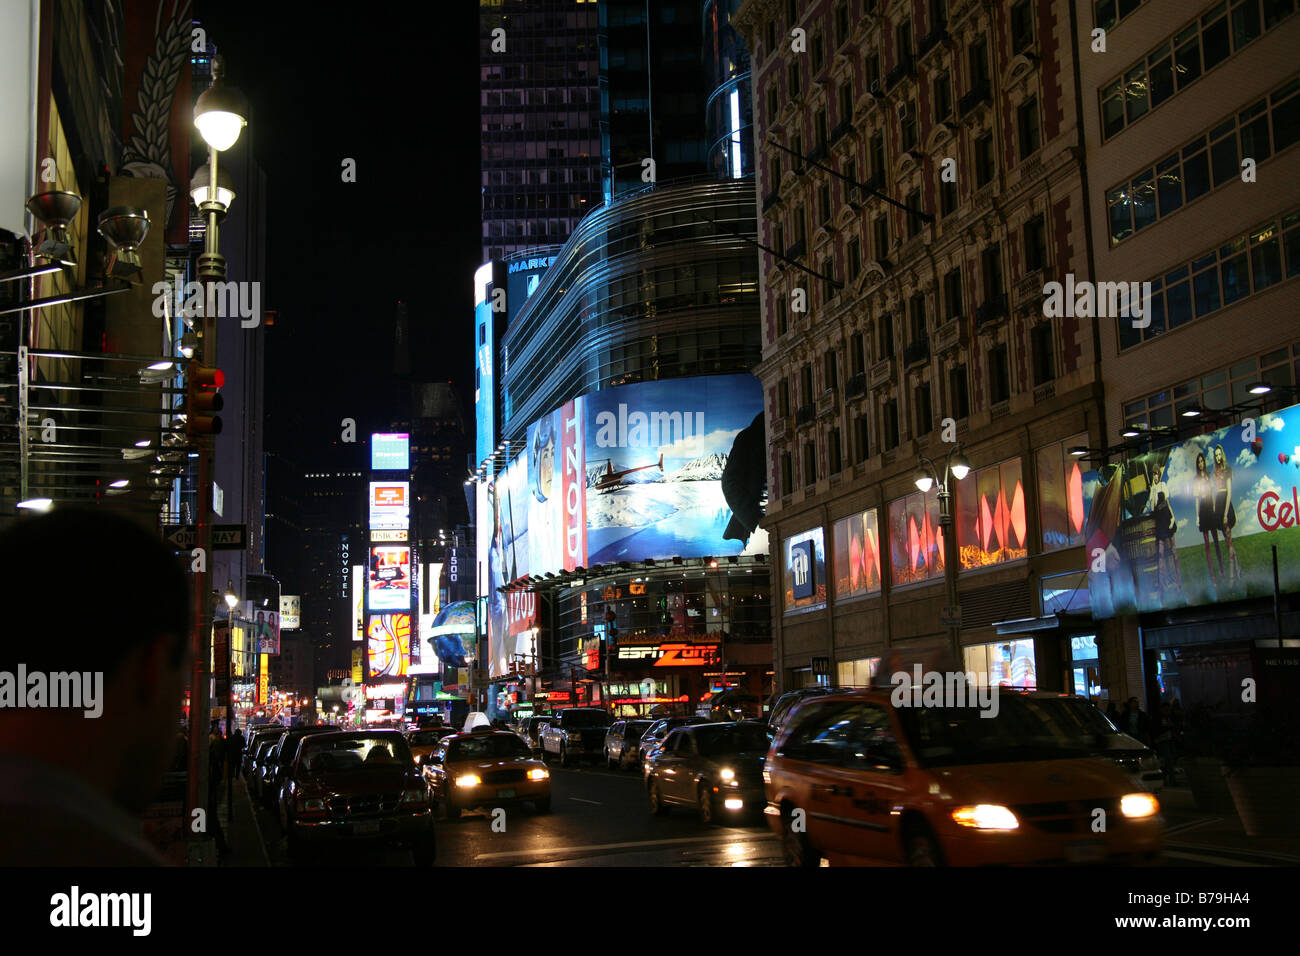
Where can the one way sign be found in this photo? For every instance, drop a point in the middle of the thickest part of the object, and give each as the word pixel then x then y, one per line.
pixel 225 537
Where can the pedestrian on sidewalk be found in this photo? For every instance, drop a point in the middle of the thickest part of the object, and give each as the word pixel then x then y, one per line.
pixel 235 754
pixel 75 778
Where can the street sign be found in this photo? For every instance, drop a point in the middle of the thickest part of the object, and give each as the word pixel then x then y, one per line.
pixel 225 537
pixel 950 616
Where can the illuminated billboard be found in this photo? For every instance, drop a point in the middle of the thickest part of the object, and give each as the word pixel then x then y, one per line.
pixel 390 451
pixel 1195 523
pixel 389 586
pixel 652 470
pixel 484 365
pixel 389 644
pixel 358 601
pixel 390 504
pixel 265 627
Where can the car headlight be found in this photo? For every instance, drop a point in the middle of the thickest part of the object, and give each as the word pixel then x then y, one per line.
pixel 986 816
pixel 1138 806
pixel 415 796
pixel 468 780
pixel 311 804
pixel 538 773
pixel 726 773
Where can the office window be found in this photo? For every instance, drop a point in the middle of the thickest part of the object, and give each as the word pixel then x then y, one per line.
pixel 774 183
pixel 773 104
pixel 1035 244
pixel 841 24
pixel 830 363
pixel 877 151
pixel 952 294
pixel 771 37
pixel 903 42
pixel 1040 347
pixel 824 203
pixel 916 310
pixel 782 320
pixel 833 451
pixel 809 463
pixel 857 354
pixel 1027 125
pixel 846 101
pixel 828 280
pixel 889 413
pixel 861 438
pixel 977 55
pixel 800 227
pixel 818 52
pixel 880 237
pixel 983 160
pixel 907 123
pixel 806 385
pixel 1022 27
pixel 820 129
pixel 855 258
pixel 913 213
pixel 886 337
pixel 792 78
pixel 942 97
pixel 783 398
pixel 924 416
pixel 999 375
pixel 991 268
pixel 947 198
pixel 787 473
pixel 958 393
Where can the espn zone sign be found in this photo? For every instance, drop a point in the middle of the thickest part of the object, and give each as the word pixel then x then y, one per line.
pixel 672 655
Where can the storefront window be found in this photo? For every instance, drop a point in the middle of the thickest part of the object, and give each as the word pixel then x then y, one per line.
pixel 990 505
pixel 1060 494
pixel 1085 666
pixel 1066 593
pixel 1007 663
pixel 857 673
pixel 857 555
pixel 915 539
pixel 805 570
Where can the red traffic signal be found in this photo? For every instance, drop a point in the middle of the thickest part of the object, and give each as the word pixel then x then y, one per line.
pixel 202 397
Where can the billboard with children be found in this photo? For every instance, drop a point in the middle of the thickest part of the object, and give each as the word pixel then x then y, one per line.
pixel 1195 523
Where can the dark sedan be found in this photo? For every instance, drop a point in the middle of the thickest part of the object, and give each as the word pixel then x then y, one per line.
pixel 359 786
pixel 717 768
pixel 276 767
pixel 623 743
pixel 655 736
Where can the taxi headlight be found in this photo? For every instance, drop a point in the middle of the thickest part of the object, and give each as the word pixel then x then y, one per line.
pixel 986 816
pixel 1138 806
pixel 726 773
pixel 468 780
pixel 538 773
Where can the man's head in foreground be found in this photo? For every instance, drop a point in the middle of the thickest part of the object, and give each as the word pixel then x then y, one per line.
pixel 99 601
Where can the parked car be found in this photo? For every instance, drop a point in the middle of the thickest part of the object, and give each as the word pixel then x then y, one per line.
pixel 576 733
pixel 655 735
pixel 530 728
pixel 928 786
pixel 486 768
pixel 255 739
pixel 623 743
pixel 357 786
pixel 276 768
pixel 717 768
pixel 257 768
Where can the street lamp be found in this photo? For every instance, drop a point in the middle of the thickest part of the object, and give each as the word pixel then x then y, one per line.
pixel 927 476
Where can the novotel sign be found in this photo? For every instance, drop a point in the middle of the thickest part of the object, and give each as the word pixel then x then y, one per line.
pixel 672 655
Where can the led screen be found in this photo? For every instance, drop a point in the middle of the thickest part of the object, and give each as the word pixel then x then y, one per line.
pixel 390 452
pixel 389 504
pixel 389 643
pixel 390 578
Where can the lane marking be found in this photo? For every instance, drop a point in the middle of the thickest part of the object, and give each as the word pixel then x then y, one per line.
pixel 1214 860
pixel 596 847
pixel 594 802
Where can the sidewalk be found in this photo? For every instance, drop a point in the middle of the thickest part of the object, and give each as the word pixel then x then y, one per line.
pixel 1190 830
pixel 243 835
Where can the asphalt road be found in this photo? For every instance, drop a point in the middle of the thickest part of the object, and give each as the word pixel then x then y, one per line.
pixel 598 817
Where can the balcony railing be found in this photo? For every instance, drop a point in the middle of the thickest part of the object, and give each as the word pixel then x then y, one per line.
pixel 818 152
pixel 771 199
pixel 904 68
pixel 856 386
pixel 932 39
pixel 881 373
pixel 914 353
pixel 993 308
pixel 805 414
pixel 842 127
pixel 795 251
pixel 826 402
pixel 973 98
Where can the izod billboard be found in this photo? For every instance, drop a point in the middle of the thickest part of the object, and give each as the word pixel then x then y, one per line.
pixel 1195 523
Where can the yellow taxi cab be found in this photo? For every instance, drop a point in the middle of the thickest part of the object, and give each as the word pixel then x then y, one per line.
pixel 423 742
pixel 486 768
pixel 881 776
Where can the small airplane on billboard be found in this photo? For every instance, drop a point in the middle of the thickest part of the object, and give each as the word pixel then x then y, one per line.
pixel 611 478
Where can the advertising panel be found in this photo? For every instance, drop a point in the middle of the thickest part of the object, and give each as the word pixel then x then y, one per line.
pixel 265 626
pixel 357 676
pixel 390 504
pixel 652 470
pixel 291 611
pixel 358 601
pixel 390 578
pixel 390 451
pixel 857 555
pixel 1195 523
pixel 805 583
pixel 389 643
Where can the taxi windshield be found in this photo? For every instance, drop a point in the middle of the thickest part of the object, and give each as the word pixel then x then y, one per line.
pixel 332 755
pixel 1018 731
pixel 497 746
pixel 732 739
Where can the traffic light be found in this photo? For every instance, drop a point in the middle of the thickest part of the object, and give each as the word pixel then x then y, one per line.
pixel 202 398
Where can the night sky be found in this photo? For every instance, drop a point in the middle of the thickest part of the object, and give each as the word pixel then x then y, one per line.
pixel 394 86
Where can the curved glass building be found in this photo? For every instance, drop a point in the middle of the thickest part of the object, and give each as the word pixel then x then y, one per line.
pixel 729 114
pixel 661 283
